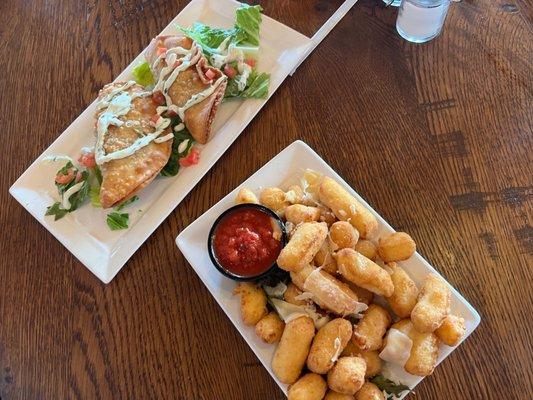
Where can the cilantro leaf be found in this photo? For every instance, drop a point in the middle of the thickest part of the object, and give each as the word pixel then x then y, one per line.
pixel 56 211
pixel 117 221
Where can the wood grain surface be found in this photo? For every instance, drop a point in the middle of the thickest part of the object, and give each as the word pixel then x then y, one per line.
pixel 437 137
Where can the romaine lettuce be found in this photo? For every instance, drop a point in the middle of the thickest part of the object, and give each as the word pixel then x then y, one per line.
pixel 248 19
pixel 142 74
pixel 243 37
pixel 256 87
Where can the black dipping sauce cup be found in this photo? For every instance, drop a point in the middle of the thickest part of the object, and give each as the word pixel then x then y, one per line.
pixel 212 233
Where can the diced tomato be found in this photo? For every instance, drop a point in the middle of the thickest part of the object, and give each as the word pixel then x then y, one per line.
pixel 250 62
pixel 229 71
pixel 67 178
pixel 171 114
pixel 192 158
pixel 87 160
pixel 158 97
pixel 210 74
pixel 161 50
pixel 155 118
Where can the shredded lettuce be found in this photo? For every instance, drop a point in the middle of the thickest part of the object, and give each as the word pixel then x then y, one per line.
pixel 142 74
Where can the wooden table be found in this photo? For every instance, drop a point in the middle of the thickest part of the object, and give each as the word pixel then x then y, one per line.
pixel 437 137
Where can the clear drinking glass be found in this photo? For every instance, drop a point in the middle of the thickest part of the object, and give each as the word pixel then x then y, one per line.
pixel 421 20
pixel 393 3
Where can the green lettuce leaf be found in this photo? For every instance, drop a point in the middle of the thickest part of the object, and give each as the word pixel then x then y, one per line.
pixel 142 74
pixel 63 187
pixel 232 90
pixel 94 196
pixel 173 165
pixel 117 221
pixel 76 200
pixel 209 37
pixel 248 19
pixel 245 36
pixel 125 203
pixel 56 211
pixel 257 86
pixel 97 174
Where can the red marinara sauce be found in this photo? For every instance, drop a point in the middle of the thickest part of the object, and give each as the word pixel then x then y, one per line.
pixel 247 242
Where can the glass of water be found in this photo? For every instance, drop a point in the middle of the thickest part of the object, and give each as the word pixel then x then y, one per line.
pixel 393 3
pixel 421 20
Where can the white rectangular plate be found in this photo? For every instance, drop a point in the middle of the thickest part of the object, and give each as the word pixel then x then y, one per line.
pixel 279 172
pixel 85 232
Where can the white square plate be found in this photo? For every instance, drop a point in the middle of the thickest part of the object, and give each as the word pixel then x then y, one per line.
pixel 85 232
pixel 280 172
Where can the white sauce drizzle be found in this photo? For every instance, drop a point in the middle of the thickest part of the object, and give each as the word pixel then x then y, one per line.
pixel 132 123
pixel 171 70
pixel 197 98
pixel 161 109
pixel 65 202
pixel 162 139
pixel 118 103
pixel 245 71
pixel 183 146
pixel 57 158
